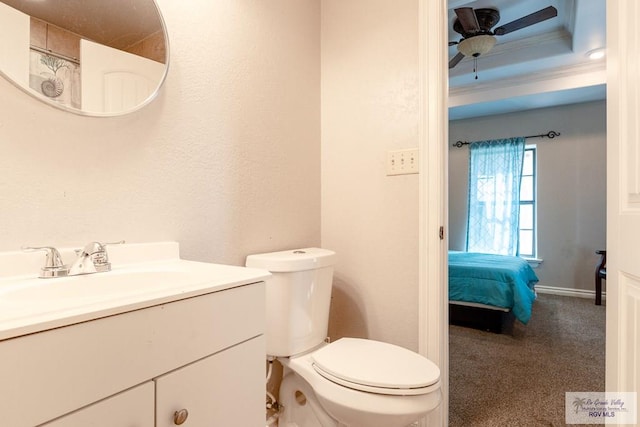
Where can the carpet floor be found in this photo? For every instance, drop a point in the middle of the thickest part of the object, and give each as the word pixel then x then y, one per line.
pixel 521 379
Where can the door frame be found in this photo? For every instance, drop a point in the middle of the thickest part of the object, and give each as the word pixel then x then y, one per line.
pixel 433 128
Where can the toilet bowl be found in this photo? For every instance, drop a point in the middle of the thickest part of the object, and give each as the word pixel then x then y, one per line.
pixel 359 383
pixel 352 382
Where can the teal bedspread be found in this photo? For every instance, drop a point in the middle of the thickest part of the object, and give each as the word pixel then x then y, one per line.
pixel 497 280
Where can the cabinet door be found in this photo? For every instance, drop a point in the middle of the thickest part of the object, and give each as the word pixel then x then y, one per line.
pixel 225 389
pixel 131 408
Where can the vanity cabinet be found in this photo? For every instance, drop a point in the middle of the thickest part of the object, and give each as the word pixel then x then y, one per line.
pixel 219 390
pixel 204 354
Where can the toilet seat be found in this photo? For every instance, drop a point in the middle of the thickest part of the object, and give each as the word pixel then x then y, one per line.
pixel 353 403
pixel 375 367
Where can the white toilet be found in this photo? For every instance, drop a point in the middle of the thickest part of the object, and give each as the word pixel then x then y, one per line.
pixel 351 382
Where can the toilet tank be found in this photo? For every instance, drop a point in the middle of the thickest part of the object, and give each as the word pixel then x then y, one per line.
pixel 298 296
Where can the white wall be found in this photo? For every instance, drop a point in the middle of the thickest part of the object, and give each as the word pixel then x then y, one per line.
pixel 226 161
pixel 370 106
pixel 571 185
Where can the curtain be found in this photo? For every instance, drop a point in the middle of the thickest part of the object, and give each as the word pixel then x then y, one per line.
pixel 495 168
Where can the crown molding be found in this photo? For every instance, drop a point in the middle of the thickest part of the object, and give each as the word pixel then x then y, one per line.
pixel 562 78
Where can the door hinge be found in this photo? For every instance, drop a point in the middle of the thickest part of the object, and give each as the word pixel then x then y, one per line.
pixel 441 233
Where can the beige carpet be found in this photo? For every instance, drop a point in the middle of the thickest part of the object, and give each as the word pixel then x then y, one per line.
pixel 521 379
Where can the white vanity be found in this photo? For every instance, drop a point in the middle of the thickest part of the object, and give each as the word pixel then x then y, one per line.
pixel 157 341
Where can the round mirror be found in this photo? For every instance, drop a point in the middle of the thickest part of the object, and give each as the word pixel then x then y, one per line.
pixel 91 57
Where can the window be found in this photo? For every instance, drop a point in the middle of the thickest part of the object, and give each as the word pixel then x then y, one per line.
pixel 527 228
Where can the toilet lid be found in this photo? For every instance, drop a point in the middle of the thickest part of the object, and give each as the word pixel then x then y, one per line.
pixel 375 366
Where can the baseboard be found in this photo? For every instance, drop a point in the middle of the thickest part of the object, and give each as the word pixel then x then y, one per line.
pixel 568 292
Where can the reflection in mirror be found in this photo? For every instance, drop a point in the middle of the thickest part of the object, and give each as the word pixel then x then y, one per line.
pixel 92 57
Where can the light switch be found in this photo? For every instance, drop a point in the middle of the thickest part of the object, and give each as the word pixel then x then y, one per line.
pixel 401 162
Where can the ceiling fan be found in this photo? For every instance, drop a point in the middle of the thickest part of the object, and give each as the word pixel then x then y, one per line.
pixel 475 27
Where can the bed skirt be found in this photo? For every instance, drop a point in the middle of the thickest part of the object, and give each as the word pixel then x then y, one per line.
pixel 479 316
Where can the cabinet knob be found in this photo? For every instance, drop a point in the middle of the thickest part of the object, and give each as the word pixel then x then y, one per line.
pixel 179 417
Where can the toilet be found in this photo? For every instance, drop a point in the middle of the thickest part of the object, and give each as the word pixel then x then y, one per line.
pixel 351 382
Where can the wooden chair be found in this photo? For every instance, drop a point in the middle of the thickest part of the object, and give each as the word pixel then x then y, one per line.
pixel 601 273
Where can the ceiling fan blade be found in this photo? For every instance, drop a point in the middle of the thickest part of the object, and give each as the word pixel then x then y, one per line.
pixel 468 19
pixel 525 21
pixel 454 61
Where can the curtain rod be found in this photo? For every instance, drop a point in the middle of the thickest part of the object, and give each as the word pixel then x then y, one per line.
pixel 551 134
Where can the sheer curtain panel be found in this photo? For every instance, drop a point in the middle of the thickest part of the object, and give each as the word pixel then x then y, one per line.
pixel 495 169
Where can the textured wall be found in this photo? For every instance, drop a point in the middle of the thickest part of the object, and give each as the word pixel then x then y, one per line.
pixel 226 160
pixel 571 185
pixel 369 106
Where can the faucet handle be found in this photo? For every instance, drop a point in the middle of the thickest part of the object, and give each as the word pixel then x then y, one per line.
pixel 97 253
pixel 96 247
pixel 104 258
pixel 53 267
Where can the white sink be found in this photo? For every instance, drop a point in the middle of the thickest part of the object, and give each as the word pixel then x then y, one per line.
pixel 30 304
pixel 94 287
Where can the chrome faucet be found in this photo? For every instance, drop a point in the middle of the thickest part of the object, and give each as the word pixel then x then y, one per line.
pixel 92 259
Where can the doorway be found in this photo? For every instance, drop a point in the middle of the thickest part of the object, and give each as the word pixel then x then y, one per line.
pixel 571 194
pixel 434 204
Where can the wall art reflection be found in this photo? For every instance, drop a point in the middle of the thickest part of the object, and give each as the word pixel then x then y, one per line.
pixel 56 78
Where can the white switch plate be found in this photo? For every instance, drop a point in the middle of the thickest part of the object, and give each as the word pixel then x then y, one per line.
pixel 401 162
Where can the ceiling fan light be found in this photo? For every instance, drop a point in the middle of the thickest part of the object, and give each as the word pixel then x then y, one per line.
pixel 476 45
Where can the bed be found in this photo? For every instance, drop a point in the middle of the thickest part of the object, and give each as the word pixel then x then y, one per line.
pixel 490 291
